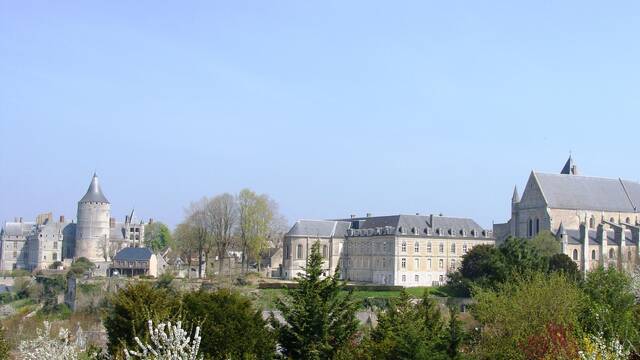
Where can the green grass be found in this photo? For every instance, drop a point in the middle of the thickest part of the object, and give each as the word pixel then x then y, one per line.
pixel 267 297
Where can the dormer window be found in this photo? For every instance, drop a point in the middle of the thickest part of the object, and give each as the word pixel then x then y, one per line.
pixel 450 232
pixel 401 230
pixel 462 232
pixel 473 232
pixel 414 231
pixel 484 233
pixel 438 231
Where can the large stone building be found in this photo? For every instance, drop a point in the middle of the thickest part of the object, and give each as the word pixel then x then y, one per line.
pixel 96 236
pixel 595 219
pixel 404 250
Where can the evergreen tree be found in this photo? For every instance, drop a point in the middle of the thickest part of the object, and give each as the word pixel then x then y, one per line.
pixel 455 334
pixel 319 319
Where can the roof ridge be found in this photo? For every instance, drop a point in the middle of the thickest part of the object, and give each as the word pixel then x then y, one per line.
pixel 627 194
pixel 577 176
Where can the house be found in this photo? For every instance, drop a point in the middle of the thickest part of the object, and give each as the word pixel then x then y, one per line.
pixel 134 262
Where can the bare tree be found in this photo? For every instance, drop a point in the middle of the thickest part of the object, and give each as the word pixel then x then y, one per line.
pixel 186 240
pixel 199 219
pixel 222 214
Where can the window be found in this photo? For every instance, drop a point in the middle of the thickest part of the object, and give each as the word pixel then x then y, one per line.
pixel 612 254
pixel 429 247
pixel 530 228
pixel 416 247
pixel 441 278
pixel 441 248
pixel 612 220
pixel 629 256
pixel 55 244
pixel 575 254
pixel 417 278
pixel 453 248
pixel 464 248
pixel 384 246
pixel 537 226
pixel 403 263
pixel 592 222
pixel 384 263
pixel 15 254
pixel 404 278
pixel 416 264
pixel 299 251
pixel 440 264
pixel 429 263
pixel 55 256
pixel 628 221
pixel 593 254
pixel 404 246
pixel 453 264
pixel 324 251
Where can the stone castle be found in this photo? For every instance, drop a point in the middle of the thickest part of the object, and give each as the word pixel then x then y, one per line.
pixel 39 244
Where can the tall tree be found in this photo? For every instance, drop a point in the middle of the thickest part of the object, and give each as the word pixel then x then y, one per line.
pixel 186 242
pixel 253 226
pixel 200 221
pixel 157 236
pixel 319 318
pixel 222 215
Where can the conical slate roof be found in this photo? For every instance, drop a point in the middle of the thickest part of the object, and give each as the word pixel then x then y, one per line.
pixel 94 193
pixel 516 197
pixel 570 167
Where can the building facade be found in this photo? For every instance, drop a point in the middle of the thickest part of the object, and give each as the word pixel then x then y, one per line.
pixel 403 250
pixel 595 219
pixel 96 236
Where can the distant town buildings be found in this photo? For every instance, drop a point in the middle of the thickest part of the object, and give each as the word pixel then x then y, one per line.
pixel 96 236
pixel 404 250
pixel 595 219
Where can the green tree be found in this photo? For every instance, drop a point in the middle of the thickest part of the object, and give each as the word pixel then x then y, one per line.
pixel 230 327
pixel 611 302
pixel 319 318
pixel 455 334
pixel 546 244
pixel 524 307
pixel 483 265
pixel 563 263
pixel 254 217
pixel 157 236
pixel 409 330
pixel 129 310
pixel 521 257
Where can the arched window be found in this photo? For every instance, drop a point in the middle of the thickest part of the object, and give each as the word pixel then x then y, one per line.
pixel 612 220
pixel 537 226
pixel 530 228
pixel 592 222
pixel 612 254
pixel 404 246
pixel 593 254
pixel 628 221
pixel 575 254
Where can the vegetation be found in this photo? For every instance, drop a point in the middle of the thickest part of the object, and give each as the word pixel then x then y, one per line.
pixel 319 320
pixel 157 236
pixel 80 266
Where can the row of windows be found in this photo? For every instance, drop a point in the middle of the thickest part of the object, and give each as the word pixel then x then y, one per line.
pixel 300 252
pixel 416 263
pixel 416 278
pixel 612 254
pixel 416 247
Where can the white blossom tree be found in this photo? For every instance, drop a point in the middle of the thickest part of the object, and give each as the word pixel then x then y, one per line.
pixel 45 345
pixel 173 343
pixel 597 348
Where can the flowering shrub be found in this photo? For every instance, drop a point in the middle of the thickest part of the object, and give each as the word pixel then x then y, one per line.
pixel 172 344
pixel 556 342
pixel 45 345
pixel 596 348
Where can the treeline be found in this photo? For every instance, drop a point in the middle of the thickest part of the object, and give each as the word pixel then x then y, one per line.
pixel 246 222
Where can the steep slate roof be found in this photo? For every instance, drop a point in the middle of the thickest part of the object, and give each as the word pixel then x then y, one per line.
pixel 588 193
pixel 132 254
pixel 420 223
pixel 320 228
pixel 574 237
pixel 17 228
pixel 94 193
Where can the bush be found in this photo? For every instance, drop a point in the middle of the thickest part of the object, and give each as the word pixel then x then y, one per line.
pixel 81 266
pixel 130 309
pixel 231 328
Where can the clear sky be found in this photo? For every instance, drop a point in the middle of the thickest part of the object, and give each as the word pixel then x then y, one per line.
pixel 331 107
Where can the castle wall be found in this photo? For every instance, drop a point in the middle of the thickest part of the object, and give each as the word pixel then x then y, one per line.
pixel 92 231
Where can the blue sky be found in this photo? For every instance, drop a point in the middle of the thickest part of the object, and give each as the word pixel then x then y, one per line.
pixel 330 107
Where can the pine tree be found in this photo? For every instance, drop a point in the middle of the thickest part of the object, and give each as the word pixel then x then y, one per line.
pixel 319 317
pixel 454 334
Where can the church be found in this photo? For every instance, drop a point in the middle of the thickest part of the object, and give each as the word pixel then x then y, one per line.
pixel 595 219
pixel 39 244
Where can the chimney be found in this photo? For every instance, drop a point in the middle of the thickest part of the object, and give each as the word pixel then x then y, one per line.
pixel 20 219
pixel 61 219
pixel 112 222
pixel 353 216
pixel 368 214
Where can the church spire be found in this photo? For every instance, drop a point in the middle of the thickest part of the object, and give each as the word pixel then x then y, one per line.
pixel 94 193
pixel 570 167
pixel 516 197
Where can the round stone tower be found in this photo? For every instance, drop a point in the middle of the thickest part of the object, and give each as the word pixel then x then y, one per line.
pixel 92 229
